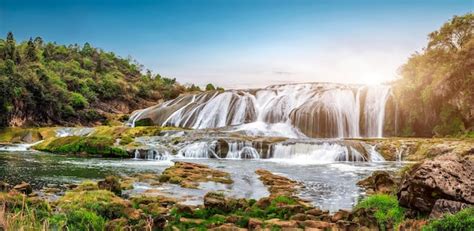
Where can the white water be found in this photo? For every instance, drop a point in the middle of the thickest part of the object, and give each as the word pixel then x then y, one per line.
pixel 18 147
pixel 293 110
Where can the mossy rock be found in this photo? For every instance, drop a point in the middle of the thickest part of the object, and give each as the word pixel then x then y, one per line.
pixel 89 145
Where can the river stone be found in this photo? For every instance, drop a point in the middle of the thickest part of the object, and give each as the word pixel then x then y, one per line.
pixel 446 177
pixel 443 206
pixel 24 188
pixel 4 187
pixel 378 182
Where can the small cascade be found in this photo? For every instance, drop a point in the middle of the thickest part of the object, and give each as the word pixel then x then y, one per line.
pixel 198 150
pixel 152 154
pixel 318 110
pixel 400 151
pixel 17 147
pixel 373 154
pixel 315 153
pixel 72 131
pixel 242 150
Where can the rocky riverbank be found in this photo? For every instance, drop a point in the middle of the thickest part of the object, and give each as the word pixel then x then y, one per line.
pixel 106 205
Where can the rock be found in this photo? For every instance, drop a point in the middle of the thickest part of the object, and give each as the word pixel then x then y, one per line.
pixel 4 187
pixel 218 201
pixel 112 184
pixel 24 188
pixel 132 214
pixel 228 227
pixel 278 185
pixel 315 212
pixel 191 221
pixel 254 223
pixel 299 217
pixel 180 208
pixel 410 224
pixel 340 215
pixel 446 177
pixel 188 175
pixel 233 219
pixel 443 206
pixel 280 223
pixel 317 224
pixel 378 182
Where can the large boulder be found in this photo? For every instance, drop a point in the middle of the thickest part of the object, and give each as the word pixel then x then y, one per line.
pixel 378 182
pixel 446 177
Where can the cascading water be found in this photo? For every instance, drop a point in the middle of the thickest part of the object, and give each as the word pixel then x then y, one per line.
pixel 313 110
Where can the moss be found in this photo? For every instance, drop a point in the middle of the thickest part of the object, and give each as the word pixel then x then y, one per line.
pixel 386 209
pixel 102 202
pixel 90 145
pixel 188 175
pixel 463 220
pixel 144 122
pixel 26 135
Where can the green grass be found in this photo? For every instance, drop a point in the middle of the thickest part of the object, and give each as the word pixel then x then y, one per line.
pixel 463 220
pixel 386 207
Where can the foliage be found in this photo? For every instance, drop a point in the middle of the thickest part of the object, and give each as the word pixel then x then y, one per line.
pixel 463 220
pixel 47 83
pixel 436 89
pixel 386 209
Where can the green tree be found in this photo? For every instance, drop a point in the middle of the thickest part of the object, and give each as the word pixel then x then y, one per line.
pixel 210 87
pixel 31 53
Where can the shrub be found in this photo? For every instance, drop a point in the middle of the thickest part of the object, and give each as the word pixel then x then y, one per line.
pixel 463 220
pixel 386 209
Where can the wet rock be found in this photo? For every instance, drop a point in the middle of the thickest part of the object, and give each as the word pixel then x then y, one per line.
pixel 446 177
pixel 340 215
pixel 189 175
pixel 24 188
pixel 378 182
pixel 112 184
pixel 218 201
pixel 278 185
pixel 443 206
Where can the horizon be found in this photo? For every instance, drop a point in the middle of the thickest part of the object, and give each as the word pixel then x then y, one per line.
pixel 243 44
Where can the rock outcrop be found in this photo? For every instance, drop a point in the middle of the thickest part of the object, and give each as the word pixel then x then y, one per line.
pixel 447 177
pixel 378 182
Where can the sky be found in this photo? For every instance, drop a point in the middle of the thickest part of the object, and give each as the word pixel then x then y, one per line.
pixel 245 43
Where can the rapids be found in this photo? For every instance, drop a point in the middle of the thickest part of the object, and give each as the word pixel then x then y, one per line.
pixel 324 110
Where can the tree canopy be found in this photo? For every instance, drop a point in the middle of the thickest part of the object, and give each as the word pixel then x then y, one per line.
pixel 436 91
pixel 46 83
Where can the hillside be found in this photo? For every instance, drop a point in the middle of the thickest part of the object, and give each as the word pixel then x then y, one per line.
pixel 49 84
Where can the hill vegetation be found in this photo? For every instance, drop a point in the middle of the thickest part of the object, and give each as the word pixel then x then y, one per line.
pixel 436 91
pixel 50 84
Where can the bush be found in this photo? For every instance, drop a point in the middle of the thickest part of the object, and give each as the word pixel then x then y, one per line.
pixel 463 220
pixel 78 101
pixel 386 209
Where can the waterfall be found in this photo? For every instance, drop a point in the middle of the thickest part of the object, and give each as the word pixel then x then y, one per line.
pixel 375 110
pixel 322 110
pixel 242 150
pixel 315 153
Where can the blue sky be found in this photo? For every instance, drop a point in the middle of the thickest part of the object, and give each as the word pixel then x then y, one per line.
pixel 243 43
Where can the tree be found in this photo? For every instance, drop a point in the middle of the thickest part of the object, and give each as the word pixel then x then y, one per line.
pixel 210 87
pixel 10 52
pixel 436 92
pixel 31 53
